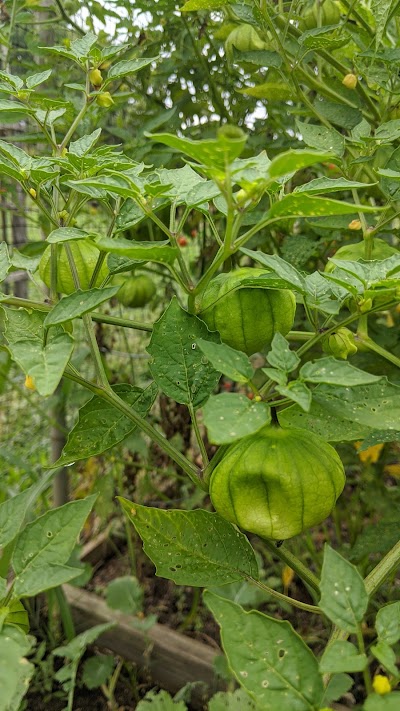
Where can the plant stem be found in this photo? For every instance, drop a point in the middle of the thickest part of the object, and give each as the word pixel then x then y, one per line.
pixel 366 672
pixel 99 318
pixel 199 438
pixel 293 562
pixel 109 396
pixel 385 567
pixel 285 598
pixel 372 346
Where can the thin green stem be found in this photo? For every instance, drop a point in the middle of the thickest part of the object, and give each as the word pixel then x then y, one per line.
pixel 383 570
pixel 379 350
pixel 285 598
pixel 366 672
pixel 199 438
pixel 293 562
pixel 109 396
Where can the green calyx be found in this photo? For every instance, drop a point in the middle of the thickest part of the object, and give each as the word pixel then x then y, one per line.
pixel 246 317
pixel 136 291
pixel 278 482
pixel 85 256
pixel 340 344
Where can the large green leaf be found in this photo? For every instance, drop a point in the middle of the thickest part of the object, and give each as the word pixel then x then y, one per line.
pixel 321 421
pixel 78 303
pixel 269 660
pixel 230 416
pixel 336 372
pixel 376 405
pixel 12 515
pixel 15 670
pixel 149 251
pixel 178 366
pixel 44 361
pixel 128 66
pixel 299 205
pixel 232 363
pixel 196 548
pixel 5 263
pixel 213 153
pixel 321 137
pixel 101 426
pixel 342 656
pixel 44 547
pixel 344 598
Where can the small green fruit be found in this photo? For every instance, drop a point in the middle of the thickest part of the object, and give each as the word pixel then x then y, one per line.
pixel 104 100
pixel 247 318
pixel 95 77
pixel 136 291
pixel 340 344
pixel 278 482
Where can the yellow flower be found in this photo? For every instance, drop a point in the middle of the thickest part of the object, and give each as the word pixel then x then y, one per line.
pixel 287 577
pixel 32 192
pixel 381 684
pixel 29 383
pixel 370 455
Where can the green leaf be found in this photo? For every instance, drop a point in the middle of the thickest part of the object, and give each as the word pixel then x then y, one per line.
pixel 374 405
pixel 12 515
pixel 5 263
pixel 101 426
pixel 269 660
pixel 330 185
pixel 17 110
pixel 294 160
pixel 270 90
pixel 97 670
pixel 76 648
pixel 125 594
pixel 344 598
pixel 321 421
pixel 36 79
pixel 160 701
pixel 67 234
pixel 15 670
pixel 232 363
pixel 388 702
pixel 299 205
pixel 128 66
pixel 230 416
pixel 338 685
pixel 377 537
pixel 182 182
pixel 335 372
pixel 386 656
pixel 213 153
pixel 280 356
pixel 321 137
pixel 298 392
pixel 195 548
pixel 283 269
pixel 342 656
pixel 388 623
pixel 44 363
pixel 231 701
pixel 178 366
pixel 193 5
pixel 381 10
pixel 78 303
pixel 82 46
pixel 83 145
pixel 161 252
pixel 45 545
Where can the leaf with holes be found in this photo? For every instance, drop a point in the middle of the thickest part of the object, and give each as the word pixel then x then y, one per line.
pixel 44 547
pixel 230 416
pixel 196 548
pixel 269 660
pixel 101 426
pixel 178 366
pixel 344 598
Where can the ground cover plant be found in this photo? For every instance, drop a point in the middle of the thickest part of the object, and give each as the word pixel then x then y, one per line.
pixel 257 241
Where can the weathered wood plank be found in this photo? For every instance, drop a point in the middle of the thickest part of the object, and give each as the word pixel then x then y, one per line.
pixel 172 659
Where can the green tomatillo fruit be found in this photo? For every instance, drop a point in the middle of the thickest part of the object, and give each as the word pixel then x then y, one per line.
pixel 85 256
pixel 136 291
pixel 322 12
pixel 246 317
pixel 277 482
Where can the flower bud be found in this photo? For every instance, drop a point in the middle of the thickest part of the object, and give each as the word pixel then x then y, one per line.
pixel 381 684
pixel 29 383
pixel 105 100
pixel 350 81
pixel 33 193
pixel 354 225
pixel 340 344
pixel 95 77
